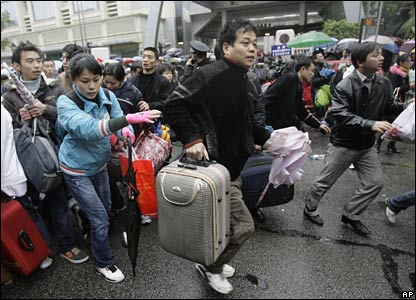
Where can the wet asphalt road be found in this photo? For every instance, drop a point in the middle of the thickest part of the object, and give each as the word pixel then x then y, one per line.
pixel 290 257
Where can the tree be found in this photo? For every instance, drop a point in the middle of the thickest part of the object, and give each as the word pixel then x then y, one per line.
pixel 341 29
pixel 397 17
pixel 5 22
pixel 410 29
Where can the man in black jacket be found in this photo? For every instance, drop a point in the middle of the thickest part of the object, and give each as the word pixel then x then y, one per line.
pixel 154 87
pixel 285 107
pixel 283 99
pixel 213 110
pixel 359 103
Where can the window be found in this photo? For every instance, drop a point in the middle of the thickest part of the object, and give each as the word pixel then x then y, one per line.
pixel 8 12
pixel 44 10
pixel 85 6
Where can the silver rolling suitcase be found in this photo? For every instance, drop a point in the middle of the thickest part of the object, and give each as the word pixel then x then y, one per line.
pixel 194 210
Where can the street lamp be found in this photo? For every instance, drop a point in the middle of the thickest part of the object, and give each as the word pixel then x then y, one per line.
pixel 81 19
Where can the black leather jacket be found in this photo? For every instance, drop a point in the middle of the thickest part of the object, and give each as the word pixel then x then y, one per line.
pixel 355 112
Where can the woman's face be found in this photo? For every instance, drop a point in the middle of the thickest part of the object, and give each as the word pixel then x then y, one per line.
pixel 111 82
pixel 88 84
pixel 168 75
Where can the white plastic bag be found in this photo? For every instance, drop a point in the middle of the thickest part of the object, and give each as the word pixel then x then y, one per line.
pixel 403 127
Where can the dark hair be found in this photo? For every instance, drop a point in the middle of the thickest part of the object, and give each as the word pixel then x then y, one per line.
pixel 48 59
pixel 135 66
pixel 160 69
pixel 24 46
pixel 71 50
pixel 402 58
pixel 218 52
pixel 316 52
pixel 154 50
pixel 360 52
pixel 303 62
pixel 229 32
pixel 81 62
pixel 116 70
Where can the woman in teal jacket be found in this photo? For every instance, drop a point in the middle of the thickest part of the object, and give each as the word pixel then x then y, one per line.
pixel 85 150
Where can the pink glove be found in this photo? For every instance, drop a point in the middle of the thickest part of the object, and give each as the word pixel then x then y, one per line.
pixel 126 132
pixel 140 117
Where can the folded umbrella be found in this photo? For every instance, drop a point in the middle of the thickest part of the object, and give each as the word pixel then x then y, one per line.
pixel 132 221
pixel 26 95
pixel 289 148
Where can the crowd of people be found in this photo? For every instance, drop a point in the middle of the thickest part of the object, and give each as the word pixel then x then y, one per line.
pixel 220 110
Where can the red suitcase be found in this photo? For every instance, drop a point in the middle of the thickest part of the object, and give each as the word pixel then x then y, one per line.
pixel 22 246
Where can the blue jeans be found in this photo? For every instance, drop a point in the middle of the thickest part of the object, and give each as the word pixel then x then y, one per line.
pixel 57 204
pixel 94 198
pixel 401 202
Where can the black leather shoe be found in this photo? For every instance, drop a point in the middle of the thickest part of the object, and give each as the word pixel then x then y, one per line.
pixel 391 146
pixel 357 226
pixel 257 214
pixel 314 219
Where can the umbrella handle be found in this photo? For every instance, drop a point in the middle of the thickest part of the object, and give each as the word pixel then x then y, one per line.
pixel 263 194
pixel 129 150
pixel 35 126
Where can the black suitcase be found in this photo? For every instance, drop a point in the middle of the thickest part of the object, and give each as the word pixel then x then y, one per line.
pixel 255 176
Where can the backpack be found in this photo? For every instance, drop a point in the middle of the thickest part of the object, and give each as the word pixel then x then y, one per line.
pixel 323 96
pixel 59 129
pixel 39 159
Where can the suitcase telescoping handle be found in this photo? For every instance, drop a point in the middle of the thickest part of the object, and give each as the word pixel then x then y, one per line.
pixel 188 163
pixel 24 241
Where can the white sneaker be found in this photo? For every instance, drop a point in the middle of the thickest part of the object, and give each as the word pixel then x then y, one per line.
pixel 228 271
pixel 146 219
pixel 111 273
pixel 391 216
pixel 46 263
pixel 219 283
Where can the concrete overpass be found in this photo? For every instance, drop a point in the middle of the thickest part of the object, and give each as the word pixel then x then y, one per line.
pixel 268 16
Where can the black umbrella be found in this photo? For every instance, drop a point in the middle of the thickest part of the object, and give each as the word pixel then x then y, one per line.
pixel 130 192
pixel 348 43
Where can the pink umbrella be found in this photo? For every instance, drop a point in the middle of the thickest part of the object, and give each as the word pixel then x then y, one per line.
pixel 289 148
pixel 407 46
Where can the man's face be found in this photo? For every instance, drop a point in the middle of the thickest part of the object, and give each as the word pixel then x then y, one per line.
pixel 320 58
pixel 373 63
pixel 149 62
pixel 49 69
pixel 244 50
pixel 307 74
pixel 30 65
